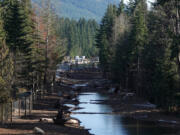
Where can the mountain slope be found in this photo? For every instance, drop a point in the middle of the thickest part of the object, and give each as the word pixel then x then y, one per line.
pixel 89 9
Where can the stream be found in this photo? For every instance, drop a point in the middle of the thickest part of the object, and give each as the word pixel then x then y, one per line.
pixel 101 122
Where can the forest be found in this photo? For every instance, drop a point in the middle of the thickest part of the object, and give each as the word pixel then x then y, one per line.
pixel 128 84
pixel 139 49
pixel 78 36
pixel 33 41
pixel 30 47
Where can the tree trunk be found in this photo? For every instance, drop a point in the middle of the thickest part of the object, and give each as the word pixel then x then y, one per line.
pixel 178 33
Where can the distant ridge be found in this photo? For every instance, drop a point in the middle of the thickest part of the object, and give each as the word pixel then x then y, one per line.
pixel 75 9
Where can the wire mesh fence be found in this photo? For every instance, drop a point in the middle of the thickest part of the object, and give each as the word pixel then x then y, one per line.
pixel 4 112
pixel 22 106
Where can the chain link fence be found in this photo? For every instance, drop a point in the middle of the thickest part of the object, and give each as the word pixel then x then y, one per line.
pixel 22 106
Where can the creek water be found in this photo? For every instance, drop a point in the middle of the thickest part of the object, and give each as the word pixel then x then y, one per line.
pixel 105 123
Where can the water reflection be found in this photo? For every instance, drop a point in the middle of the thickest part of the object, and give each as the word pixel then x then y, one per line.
pixel 106 124
pixel 87 100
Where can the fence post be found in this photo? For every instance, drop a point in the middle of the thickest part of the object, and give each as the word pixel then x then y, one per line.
pixel 33 96
pixel 11 111
pixel 19 108
pixel 25 106
pixel 29 104
pixel 2 114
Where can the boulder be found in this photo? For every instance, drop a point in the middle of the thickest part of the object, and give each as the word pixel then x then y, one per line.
pixel 48 120
pixel 39 131
pixel 72 120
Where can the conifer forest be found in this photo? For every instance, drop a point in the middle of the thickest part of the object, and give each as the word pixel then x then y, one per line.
pixel 30 47
pixel 128 64
pixel 139 49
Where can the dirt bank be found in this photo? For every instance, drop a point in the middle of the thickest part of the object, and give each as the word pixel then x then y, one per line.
pixel 43 108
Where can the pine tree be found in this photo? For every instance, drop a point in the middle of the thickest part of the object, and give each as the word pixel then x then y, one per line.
pixel 139 40
pixel 35 50
pixel 144 47
pixel 79 36
pixel 52 54
pixel 12 21
pixel 121 7
pixel 5 66
pixel 12 24
pixel 27 31
pixel 19 27
pixel 161 78
pixel 122 55
pixel 105 37
pixel 172 11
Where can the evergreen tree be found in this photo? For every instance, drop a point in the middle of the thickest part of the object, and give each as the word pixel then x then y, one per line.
pixel 79 36
pixel 32 50
pixel 104 38
pixel 18 31
pixel 161 77
pixel 139 40
pixel 144 48
pixel 172 11
pixel 123 52
pixel 5 66
pixel 121 7
pixel 28 30
pixel 12 25
pixel 52 54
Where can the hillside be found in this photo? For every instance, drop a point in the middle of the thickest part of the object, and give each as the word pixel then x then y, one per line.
pixel 79 36
pixel 89 9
